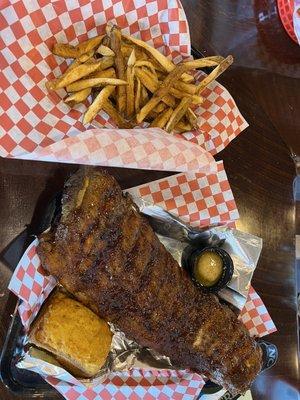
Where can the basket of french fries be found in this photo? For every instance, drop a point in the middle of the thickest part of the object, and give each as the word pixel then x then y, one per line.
pixel 133 82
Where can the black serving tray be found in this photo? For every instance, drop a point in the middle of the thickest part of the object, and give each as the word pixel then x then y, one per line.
pixel 27 384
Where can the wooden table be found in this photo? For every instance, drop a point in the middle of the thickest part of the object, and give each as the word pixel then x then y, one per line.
pixel 259 166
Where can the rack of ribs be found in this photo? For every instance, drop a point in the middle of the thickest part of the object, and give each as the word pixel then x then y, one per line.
pixel 104 252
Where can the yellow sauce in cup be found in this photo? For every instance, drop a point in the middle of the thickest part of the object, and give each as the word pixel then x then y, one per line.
pixel 208 268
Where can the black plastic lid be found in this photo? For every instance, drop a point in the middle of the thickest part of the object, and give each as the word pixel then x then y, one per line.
pixel 191 254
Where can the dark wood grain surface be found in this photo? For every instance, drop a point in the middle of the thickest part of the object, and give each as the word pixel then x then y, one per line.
pixel 265 84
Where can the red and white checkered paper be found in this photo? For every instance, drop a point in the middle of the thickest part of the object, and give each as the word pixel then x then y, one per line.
pixel 198 199
pixel 214 204
pixel 33 118
pixel 31 284
pixel 256 317
pixel 113 147
pixel 132 385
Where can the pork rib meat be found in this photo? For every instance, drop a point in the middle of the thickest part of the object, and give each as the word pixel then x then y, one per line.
pixel 104 252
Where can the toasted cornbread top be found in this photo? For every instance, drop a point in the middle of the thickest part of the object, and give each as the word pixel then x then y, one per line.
pixel 72 331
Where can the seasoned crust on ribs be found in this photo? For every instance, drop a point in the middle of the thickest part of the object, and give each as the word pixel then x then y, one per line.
pixel 106 254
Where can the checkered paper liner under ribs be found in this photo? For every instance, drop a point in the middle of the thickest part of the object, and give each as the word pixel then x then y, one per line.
pixel 32 285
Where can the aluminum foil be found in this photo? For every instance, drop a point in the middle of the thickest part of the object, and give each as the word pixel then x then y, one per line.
pixel 243 248
pixel 126 354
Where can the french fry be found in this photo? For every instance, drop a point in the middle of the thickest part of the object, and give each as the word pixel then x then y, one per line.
pixel 126 50
pixel 130 85
pixel 79 72
pixel 85 57
pixel 140 54
pixel 204 62
pixel 115 38
pixel 78 97
pixel 116 117
pixel 65 50
pixel 215 73
pixel 144 96
pixel 73 64
pixel 169 100
pixel 192 118
pixel 109 27
pixel 148 79
pixel 148 64
pixel 160 107
pixel 92 82
pixel 152 86
pixel 178 113
pixel 157 66
pixel 69 51
pixel 80 60
pixel 180 94
pixel 97 104
pixel 182 127
pixel 89 44
pixel 162 60
pixel 196 99
pixel 161 120
pixel 147 108
pixel 152 76
pixel 72 74
pixel 107 73
pixel 105 51
pixel 185 87
pixel 147 82
pixel 104 63
pixel 137 99
pixel 173 77
pixel 106 41
pixel 187 78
